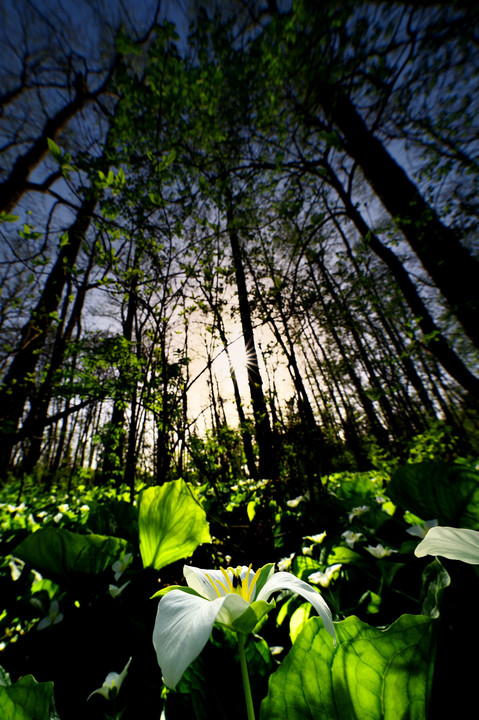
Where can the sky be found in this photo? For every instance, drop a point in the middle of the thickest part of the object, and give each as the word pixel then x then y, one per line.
pixel 81 32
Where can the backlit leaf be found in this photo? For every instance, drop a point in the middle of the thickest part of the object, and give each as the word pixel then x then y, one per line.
pixel 371 674
pixel 172 524
pixel 27 699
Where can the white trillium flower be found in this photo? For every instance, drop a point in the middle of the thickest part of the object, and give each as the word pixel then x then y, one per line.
pixel 357 512
pixel 115 591
pixel 380 551
pixel 285 563
pixel 235 597
pixel 295 501
pixel 16 566
pixel 324 578
pixel 318 538
pixel 112 684
pixel 53 618
pixel 350 537
pixel 119 566
pixel 276 649
pixel 16 508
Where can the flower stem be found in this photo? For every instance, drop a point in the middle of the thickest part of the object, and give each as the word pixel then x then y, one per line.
pixel 244 672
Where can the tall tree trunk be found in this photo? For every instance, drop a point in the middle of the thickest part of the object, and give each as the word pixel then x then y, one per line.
pixel 113 452
pixel 375 425
pixel 348 424
pixel 36 419
pixel 352 327
pixel 313 435
pixel 447 261
pixel 19 380
pixel 435 342
pixel 264 436
pixel 245 434
pixel 392 333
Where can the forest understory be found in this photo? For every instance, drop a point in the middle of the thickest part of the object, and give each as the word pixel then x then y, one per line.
pixel 239 335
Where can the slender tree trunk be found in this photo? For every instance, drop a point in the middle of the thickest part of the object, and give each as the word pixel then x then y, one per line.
pixel 435 342
pixel 353 328
pixel 245 434
pixel 376 427
pixel 401 355
pixel 19 380
pixel 36 420
pixel 447 261
pixel 263 432
pixel 313 435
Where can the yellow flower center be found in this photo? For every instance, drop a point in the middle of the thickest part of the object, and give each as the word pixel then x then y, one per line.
pixel 234 583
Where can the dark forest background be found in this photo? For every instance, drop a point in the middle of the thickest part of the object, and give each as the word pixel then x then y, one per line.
pixel 298 179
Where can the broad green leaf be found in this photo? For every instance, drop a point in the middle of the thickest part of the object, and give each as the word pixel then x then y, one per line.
pixel 114 517
pixel 454 543
pixel 60 554
pixel 344 556
pixel 447 492
pixel 371 674
pixel 172 524
pixel 435 579
pixel 298 620
pixel 27 699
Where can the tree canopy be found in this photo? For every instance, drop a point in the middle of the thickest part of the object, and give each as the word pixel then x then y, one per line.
pixel 304 178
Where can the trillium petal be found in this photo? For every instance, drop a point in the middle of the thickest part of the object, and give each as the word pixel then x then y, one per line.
pixel 197 579
pixel 44 623
pixel 101 691
pixel 182 628
pixel 287 581
pixel 118 679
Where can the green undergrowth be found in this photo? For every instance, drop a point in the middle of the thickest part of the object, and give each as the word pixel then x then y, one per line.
pixel 78 570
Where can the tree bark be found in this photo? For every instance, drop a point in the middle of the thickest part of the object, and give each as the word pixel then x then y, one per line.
pixel 448 262
pixel 19 380
pixel 264 436
pixel 434 341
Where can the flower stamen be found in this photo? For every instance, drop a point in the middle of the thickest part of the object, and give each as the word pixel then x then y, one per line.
pixel 213 582
pixel 252 584
pixel 227 578
pixel 234 583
